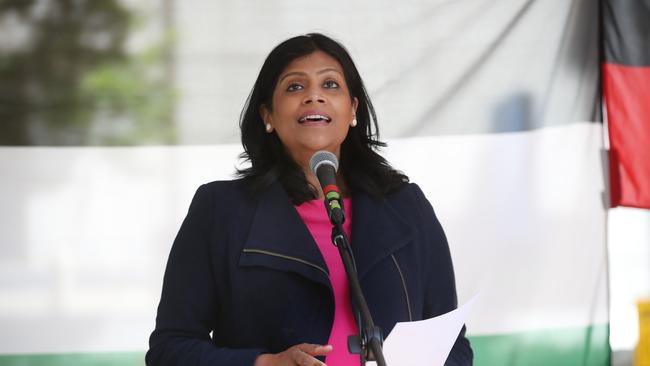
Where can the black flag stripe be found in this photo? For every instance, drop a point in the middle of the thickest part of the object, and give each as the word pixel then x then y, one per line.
pixel 626 26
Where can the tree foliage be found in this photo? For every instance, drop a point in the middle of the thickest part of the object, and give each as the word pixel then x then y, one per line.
pixel 66 79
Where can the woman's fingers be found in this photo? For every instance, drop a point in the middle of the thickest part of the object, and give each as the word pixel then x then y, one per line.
pixel 301 354
pixel 315 349
pixel 303 359
pixel 305 352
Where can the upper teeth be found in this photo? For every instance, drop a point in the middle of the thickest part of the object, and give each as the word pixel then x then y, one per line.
pixel 313 117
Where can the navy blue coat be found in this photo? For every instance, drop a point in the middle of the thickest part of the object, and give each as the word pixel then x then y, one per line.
pixel 246 269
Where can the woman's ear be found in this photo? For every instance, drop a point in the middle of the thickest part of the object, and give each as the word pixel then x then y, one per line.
pixel 355 104
pixel 264 113
pixel 266 118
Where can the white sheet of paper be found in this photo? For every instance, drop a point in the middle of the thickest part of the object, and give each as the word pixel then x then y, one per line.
pixel 425 342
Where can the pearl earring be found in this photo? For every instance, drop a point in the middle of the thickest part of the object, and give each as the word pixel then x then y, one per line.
pixel 354 122
pixel 268 128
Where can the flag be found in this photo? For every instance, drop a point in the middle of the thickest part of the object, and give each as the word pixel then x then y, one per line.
pixel 626 86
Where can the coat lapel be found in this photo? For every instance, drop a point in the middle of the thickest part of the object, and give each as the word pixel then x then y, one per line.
pixel 279 239
pixel 378 230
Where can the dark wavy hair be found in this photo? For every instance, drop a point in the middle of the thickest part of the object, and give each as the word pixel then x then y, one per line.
pixel 360 165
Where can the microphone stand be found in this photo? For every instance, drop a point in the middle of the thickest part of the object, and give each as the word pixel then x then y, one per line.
pixel 370 339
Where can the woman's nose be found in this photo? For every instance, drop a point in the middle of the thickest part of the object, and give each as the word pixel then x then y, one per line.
pixel 314 98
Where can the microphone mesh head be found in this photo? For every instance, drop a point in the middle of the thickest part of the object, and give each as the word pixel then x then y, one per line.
pixel 323 157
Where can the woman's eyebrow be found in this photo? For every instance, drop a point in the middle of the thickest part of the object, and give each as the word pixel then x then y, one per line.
pixel 328 69
pixel 300 73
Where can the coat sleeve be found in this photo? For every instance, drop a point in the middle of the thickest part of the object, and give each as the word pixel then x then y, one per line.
pixel 188 304
pixel 440 293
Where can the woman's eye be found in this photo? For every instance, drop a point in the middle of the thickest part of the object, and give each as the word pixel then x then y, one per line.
pixel 331 84
pixel 294 87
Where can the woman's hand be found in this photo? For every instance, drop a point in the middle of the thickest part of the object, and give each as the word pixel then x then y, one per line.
pixel 301 354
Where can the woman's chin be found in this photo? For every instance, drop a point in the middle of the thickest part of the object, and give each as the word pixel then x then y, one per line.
pixel 322 145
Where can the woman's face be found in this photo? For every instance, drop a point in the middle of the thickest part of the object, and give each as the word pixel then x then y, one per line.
pixel 312 108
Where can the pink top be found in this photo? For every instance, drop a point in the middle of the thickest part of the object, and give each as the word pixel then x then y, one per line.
pixel 314 215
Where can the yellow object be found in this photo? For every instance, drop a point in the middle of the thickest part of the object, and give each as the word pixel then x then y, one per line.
pixel 642 357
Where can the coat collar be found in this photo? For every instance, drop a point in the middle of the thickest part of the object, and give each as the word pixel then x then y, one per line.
pixel 279 239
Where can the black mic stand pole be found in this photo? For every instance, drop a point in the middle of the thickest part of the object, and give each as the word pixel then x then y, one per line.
pixel 369 342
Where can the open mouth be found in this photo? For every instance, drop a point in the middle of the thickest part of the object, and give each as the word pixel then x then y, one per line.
pixel 314 118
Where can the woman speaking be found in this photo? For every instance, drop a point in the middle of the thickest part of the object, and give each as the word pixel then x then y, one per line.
pixel 253 277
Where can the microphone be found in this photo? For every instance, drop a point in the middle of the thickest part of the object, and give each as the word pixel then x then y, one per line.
pixel 324 165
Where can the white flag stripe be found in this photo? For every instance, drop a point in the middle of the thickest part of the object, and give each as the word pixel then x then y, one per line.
pixel 87 231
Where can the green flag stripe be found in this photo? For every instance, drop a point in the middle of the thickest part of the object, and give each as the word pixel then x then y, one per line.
pixel 75 359
pixel 585 346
